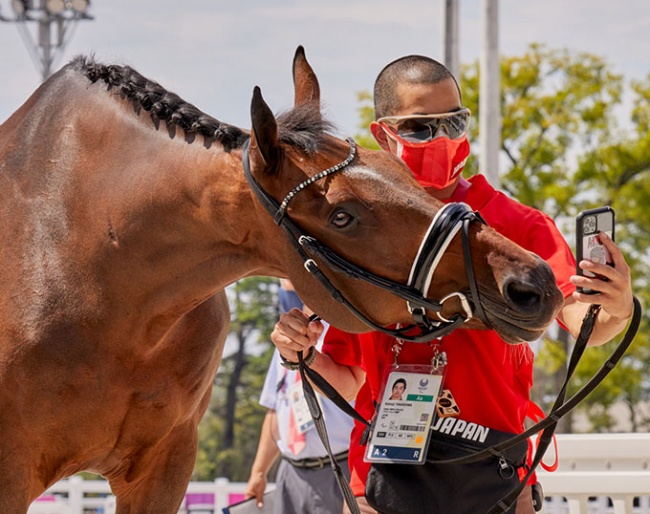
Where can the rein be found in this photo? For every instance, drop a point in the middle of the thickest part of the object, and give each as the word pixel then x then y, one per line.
pixel 449 220
pixel 546 426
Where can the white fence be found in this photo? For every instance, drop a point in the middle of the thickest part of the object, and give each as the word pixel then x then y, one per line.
pixel 597 474
pixel 78 496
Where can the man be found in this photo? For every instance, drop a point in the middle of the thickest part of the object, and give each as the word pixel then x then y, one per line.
pixel 420 118
pixel 305 483
pixel 398 389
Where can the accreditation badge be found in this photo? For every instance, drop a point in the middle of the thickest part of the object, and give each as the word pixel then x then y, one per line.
pixel 299 407
pixel 401 429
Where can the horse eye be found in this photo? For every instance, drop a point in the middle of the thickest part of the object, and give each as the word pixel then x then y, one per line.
pixel 342 219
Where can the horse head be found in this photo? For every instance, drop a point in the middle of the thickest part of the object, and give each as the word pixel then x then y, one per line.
pixel 341 206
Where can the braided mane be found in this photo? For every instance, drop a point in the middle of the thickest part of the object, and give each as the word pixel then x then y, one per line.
pixel 302 127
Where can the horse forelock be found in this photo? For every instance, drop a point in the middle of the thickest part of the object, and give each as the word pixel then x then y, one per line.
pixel 162 105
pixel 303 127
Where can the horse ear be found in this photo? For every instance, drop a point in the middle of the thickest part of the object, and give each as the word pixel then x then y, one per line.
pixel 304 80
pixel 264 145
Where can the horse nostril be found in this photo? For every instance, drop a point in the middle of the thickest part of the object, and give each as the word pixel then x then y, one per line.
pixel 522 294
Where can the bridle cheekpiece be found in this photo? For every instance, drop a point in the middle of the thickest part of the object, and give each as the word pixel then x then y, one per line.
pixel 451 219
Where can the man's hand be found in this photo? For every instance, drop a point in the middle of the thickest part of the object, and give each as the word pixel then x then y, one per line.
pixel 294 333
pixel 616 292
pixel 615 297
pixel 255 487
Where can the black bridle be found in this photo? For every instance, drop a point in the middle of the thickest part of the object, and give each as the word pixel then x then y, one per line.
pixel 451 219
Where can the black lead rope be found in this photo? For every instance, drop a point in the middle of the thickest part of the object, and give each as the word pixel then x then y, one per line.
pixel 547 426
pixel 560 407
pixel 319 422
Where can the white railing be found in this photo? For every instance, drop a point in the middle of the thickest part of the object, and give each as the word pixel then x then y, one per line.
pixel 597 474
pixel 78 496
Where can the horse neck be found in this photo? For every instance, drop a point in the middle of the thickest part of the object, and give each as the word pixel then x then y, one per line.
pixel 173 221
pixel 191 219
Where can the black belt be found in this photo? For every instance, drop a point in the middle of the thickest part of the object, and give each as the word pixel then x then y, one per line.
pixel 315 462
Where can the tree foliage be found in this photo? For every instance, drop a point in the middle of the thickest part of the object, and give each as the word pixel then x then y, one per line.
pixel 230 429
pixel 555 105
pixel 366 115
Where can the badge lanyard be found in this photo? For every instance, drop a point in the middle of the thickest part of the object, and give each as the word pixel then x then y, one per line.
pixel 401 428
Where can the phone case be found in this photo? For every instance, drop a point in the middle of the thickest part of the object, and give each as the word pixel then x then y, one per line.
pixel 588 224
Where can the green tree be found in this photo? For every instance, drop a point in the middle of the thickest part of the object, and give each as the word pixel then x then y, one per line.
pixel 565 152
pixel 230 429
pixel 618 173
pixel 366 115
pixel 555 104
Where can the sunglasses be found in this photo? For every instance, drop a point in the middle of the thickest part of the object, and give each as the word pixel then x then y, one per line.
pixel 421 128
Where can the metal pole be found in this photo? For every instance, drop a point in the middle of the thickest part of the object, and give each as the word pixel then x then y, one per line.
pixel 41 45
pixel 489 94
pixel 450 47
pixel 46 48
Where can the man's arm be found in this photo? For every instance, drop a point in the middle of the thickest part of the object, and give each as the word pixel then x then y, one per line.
pixel 347 380
pixel 267 452
pixel 615 297
pixel 294 332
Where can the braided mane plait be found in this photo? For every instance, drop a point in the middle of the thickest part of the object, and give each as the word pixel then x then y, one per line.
pixel 302 127
pixel 161 104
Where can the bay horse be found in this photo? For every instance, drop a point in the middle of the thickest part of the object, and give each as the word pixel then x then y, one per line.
pixel 125 214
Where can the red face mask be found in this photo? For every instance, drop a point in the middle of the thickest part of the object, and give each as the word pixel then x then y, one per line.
pixel 435 163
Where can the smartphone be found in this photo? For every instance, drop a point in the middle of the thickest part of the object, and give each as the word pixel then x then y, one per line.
pixel 588 225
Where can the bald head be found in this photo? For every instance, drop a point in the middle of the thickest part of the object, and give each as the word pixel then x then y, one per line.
pixel 409 70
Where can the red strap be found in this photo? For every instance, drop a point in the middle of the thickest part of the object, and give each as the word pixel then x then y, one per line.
pixel 537 414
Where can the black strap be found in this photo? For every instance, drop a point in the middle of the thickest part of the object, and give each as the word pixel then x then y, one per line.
pixel 547 425
pixel 558 411
pixel 559 407
pixel 546 436
pixel 471 278
pixel 319 422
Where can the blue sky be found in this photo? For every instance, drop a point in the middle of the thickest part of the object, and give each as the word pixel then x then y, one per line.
pixel 213 52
